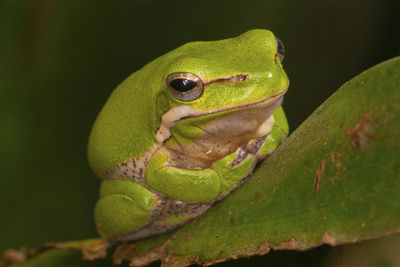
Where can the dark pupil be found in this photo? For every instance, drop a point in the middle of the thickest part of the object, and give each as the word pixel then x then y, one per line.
pixel 280 48
pixel 183 85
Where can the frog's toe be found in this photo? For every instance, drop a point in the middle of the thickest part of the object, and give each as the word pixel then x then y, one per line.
pixel 272 141
pixel 117 214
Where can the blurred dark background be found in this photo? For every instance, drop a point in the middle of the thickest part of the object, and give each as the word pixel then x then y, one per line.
pixel 60 60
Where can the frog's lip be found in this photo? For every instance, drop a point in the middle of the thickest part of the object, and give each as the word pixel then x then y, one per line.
pixel 181 112
pixel 264 101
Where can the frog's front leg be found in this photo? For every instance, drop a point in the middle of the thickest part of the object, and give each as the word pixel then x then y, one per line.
pixel 267 144
pixel 123 207
pixel 204 185
pixel 246 157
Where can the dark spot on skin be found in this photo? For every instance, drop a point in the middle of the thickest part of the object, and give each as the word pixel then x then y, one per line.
pixel 318 175
pixel 362 132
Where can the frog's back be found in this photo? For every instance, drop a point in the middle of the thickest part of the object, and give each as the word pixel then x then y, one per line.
pixel 118 133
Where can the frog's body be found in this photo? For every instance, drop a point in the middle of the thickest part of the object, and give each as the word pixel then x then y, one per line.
pixel 185 131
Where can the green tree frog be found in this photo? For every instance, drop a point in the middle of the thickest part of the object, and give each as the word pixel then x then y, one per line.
pixel 185 131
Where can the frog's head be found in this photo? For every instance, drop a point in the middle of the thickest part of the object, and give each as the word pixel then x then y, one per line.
pixel 220 94
pixel 198 96
pixel 216 75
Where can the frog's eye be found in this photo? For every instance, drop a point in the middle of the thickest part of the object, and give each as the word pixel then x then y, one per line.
pixel 280 50
pixel 184 86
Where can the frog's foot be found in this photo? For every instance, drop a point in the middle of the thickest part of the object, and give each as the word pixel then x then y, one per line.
pixel 118 214
pixel 264 146
pixel 173 214
pixel 233 170
pixel 124 206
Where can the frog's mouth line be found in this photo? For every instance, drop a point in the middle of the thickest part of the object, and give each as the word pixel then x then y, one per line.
pixel 178 113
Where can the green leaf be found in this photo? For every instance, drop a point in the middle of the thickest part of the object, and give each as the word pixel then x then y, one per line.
pixel 335 180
